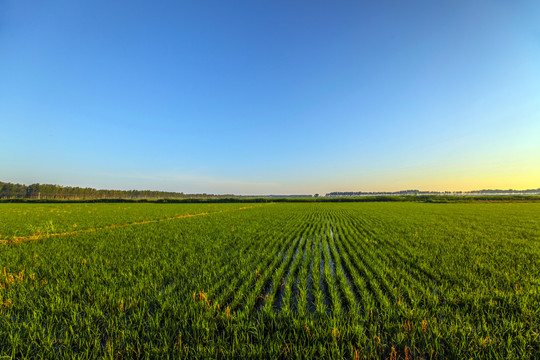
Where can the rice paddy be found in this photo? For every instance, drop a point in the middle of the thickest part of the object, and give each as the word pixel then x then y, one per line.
pixel 288 280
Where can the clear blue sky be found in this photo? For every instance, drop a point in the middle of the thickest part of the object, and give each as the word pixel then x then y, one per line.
pixel 260 97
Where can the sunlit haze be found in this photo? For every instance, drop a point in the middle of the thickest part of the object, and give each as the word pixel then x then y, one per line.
pixel 271 97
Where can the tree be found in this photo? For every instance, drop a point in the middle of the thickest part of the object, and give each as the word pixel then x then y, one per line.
pixel 32 191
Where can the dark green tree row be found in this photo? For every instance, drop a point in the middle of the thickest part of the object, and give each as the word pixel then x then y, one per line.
pixel 57 192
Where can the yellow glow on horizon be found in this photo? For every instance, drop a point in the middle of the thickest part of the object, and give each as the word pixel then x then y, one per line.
pixel 512 176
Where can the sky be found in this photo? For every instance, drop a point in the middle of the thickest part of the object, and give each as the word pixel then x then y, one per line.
pixel 270 97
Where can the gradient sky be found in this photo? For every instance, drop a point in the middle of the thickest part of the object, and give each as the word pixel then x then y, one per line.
pixel 271 97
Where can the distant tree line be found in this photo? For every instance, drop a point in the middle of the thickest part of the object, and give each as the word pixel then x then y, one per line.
pixel 57 192
pixel 436 193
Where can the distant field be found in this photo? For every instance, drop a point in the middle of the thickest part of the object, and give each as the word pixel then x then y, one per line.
pixel 22 220
pixel 288 280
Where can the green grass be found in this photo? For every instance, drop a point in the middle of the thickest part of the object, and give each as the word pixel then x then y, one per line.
pixel 327 280
pixel 22 220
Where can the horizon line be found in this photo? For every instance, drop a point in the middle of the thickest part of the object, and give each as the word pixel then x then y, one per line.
pixel 359 192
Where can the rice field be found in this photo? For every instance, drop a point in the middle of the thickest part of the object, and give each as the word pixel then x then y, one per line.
pixel 289 280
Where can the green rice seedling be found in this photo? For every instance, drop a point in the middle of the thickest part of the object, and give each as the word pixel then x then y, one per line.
pixel 287 280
